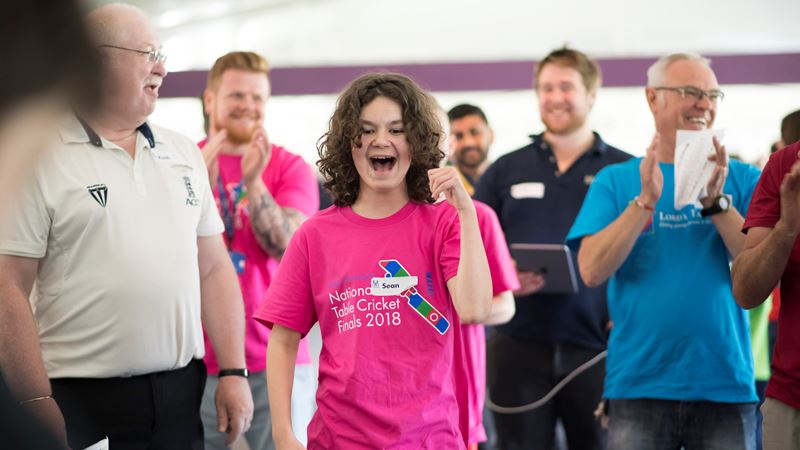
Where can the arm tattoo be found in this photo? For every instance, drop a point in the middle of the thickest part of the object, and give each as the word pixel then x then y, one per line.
pixel 272 225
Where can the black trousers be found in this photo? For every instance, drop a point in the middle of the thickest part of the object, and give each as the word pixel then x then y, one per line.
pixel 520 372
pixel 154 411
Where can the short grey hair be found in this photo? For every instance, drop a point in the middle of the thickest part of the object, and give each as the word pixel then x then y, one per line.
pixel 657 72
pixel 105 22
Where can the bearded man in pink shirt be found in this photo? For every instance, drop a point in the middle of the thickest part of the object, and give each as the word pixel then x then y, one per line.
pixel 263 193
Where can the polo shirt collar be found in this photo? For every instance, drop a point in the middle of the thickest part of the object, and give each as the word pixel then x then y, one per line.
pixel 77 131
pixel 598 148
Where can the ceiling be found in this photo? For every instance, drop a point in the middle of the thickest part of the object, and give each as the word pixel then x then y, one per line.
pixel 298 33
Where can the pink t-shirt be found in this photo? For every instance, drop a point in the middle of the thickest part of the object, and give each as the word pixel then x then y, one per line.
pixel 388 373
pixel 292 183
pixel 504 278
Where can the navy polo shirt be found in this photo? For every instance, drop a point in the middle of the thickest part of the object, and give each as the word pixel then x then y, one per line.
pixel 537 204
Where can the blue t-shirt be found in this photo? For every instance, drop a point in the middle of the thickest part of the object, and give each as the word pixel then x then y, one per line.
pixel 678 333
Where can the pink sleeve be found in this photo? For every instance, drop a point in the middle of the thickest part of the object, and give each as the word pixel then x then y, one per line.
pixel 451 243
pixel 289 301
pixel 501 266
pixel 298 187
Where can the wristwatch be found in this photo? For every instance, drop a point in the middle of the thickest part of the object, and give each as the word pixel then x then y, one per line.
pixel 233 372
pixel 721 204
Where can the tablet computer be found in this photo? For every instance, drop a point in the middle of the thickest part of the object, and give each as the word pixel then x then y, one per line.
pixel 553 261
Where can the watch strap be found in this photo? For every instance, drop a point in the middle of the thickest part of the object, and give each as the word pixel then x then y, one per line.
pixel 233 372
pixel 715 207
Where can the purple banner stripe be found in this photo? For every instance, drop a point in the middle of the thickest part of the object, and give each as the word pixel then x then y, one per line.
pixel 502 75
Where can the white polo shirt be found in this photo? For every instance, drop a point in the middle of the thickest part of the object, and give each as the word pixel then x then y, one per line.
pixel 118 289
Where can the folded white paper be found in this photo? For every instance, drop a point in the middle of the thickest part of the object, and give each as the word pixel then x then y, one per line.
pixel 101 445
pixel 692 167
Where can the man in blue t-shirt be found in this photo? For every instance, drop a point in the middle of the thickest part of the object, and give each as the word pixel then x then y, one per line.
pixel 537 192
pixel 679 368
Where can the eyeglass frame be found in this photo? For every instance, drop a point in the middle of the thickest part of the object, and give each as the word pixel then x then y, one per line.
pixel 694 92
pixel 154 56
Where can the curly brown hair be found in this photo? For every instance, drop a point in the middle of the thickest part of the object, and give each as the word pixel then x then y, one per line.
pixel 422 127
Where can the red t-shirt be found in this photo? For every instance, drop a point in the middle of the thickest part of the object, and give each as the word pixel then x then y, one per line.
pixel 764 211
pixel 776 305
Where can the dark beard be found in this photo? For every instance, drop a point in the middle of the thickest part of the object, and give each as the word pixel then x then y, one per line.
pixel 468 162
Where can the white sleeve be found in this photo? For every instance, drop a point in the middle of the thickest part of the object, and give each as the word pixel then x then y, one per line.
pixel 25 224
pixel 210 222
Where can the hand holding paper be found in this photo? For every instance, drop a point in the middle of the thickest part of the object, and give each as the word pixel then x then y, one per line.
pixel 718 176
pixel 698 158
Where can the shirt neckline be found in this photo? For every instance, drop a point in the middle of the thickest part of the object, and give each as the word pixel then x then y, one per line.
pixel 400 215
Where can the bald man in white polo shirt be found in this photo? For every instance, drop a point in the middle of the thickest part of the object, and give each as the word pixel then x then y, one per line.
pixel 119 232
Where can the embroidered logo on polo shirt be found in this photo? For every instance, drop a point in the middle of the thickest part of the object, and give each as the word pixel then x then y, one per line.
pixel 99 193
pixel 191 197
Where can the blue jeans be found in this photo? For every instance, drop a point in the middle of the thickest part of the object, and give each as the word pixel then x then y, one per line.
pixel 761 387
pixel 649 424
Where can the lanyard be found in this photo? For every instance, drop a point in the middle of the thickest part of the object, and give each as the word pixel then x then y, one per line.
pixel 228 207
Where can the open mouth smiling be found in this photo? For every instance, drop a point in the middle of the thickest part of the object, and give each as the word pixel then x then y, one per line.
pixel 382 163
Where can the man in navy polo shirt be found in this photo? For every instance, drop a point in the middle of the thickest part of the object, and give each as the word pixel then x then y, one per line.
pixel 536 192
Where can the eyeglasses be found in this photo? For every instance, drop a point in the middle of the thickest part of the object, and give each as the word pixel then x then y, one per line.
pixel 696 94
pixel 154 56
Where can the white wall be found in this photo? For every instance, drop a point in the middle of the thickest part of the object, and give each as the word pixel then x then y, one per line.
pixel 338 32
pixel 750 115
pixel 341 32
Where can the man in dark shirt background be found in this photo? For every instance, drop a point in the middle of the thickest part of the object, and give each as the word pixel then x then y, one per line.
pixel 537 192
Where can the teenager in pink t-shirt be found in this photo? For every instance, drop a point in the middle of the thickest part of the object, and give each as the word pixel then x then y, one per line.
pixel 263 193
pixel 504 280
pixel 387 274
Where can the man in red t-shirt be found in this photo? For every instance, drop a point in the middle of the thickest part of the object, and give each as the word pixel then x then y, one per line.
pixel 772 255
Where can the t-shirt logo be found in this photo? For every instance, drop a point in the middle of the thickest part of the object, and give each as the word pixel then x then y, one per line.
pixel 191 197
pixel 436 319
pixel 99 193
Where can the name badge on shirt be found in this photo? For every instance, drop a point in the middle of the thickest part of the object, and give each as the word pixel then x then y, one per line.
pixel 527 190
pixel 391 286
pixel 162 156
